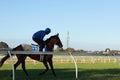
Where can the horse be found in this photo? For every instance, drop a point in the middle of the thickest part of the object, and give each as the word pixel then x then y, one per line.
pixel 50 42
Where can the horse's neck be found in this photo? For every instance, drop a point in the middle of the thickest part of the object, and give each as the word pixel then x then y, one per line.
pixel 50 46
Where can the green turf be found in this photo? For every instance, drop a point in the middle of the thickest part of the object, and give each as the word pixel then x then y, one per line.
pixel 97 71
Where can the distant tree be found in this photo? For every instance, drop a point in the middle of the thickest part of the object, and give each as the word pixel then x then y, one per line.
pixel 70 49
pixel 82 51
pixel 107 50
pixel 58 49
pixel 114 51
pixel 3 45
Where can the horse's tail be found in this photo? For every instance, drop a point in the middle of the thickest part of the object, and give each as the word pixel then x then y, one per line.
pixel 7 56
pixel 4 59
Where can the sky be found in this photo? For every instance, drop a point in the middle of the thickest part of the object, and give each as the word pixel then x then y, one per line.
pixel 92 24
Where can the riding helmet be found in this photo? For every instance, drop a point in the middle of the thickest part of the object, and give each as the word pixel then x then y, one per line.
pixel 47 30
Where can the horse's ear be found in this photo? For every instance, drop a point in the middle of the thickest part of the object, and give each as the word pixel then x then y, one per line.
pixel 57 34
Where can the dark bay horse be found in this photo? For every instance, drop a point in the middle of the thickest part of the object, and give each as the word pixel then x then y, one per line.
pixel 50 42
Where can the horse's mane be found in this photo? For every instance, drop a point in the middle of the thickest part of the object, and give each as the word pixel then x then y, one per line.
pixel 47 40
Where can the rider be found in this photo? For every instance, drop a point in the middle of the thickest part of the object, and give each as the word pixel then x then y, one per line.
pixel 38 37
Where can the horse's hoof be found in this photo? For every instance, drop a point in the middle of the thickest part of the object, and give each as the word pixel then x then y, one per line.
pixel 27 78
pixel 11 75
pixel 40 74
pixel 55 75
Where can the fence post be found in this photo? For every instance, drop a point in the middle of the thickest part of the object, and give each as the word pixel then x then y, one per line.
pixel 76 68
pixel 13 69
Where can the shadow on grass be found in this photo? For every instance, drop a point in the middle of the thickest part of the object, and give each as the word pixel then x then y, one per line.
pixel 102 74
pixel 64 74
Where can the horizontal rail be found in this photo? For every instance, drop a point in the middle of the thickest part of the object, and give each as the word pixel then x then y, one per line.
pixel 62 52
pixel 67 59
pixel 28 52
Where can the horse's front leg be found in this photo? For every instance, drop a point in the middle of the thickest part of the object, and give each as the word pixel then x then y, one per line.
pixel 46 65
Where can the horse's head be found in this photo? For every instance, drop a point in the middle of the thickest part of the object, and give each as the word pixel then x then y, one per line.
pixel 53 40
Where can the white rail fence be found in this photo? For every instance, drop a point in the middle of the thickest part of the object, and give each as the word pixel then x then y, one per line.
pixel 85 59
pixel 67 59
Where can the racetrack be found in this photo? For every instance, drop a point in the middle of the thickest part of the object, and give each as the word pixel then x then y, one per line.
pixel 96 71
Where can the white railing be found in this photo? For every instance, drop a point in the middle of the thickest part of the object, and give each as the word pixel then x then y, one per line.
pixel 67 59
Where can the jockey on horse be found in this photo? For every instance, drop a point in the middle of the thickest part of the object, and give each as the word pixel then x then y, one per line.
pixel 38 38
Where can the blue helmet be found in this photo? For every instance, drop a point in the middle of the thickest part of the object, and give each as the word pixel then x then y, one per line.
pixel 47 30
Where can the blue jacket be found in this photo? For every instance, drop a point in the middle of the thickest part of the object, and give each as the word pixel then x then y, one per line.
pixel 39 34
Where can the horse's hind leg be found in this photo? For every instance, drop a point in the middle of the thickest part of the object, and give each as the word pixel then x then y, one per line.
pixel 51 65
pixel 46 65
pixel 23 67
pixel 3 60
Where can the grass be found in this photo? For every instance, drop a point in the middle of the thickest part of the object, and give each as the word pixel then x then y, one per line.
pixel 97 71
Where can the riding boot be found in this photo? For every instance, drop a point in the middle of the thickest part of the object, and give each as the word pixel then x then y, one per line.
pixel 41 50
